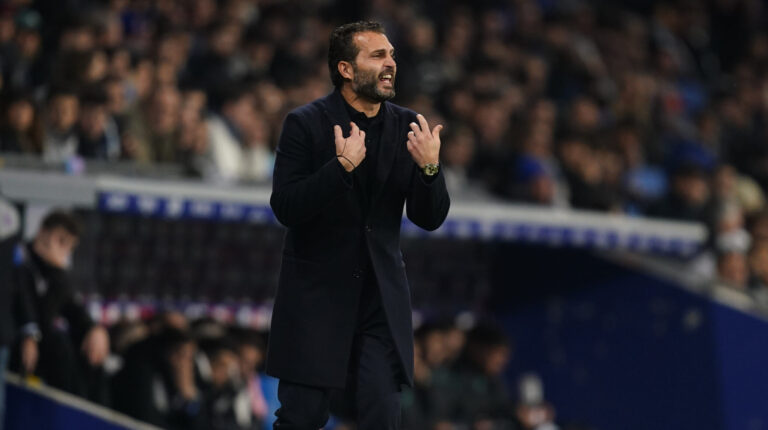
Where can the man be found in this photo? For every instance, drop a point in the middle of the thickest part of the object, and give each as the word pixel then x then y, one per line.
pixel 64 322
pixel 345 166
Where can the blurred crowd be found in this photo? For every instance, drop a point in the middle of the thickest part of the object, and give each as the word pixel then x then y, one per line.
pixel 177 372
pixel 649 108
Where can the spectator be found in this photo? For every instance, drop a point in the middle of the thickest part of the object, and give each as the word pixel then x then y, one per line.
pixel 97 134
pixel 157 383
pixel 60 143
pixel 689 197
pixel 153 131
pixel 480 396
pixel 73 347
pixel 236 138
pixel 24 66
pixel 229 406
pixel 251 351
pixel 18 130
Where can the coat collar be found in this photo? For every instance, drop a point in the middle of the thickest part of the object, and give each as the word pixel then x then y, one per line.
pixel 389 146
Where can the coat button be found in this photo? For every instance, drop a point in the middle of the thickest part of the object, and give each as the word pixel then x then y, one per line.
pixel 368 228
pixel 356 274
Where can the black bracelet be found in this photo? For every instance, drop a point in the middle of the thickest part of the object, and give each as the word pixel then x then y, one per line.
pixel 350 161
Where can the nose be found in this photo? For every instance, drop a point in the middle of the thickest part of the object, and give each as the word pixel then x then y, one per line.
pixel 390 62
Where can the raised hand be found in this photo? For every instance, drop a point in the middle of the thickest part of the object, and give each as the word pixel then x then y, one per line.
pixel 424 145
pixel 350 151
pixel 96 345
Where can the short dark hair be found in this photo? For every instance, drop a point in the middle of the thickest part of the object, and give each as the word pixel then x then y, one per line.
pixel 342 46
pixel 61 219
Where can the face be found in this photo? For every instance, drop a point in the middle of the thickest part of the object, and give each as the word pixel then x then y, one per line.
pixel 223 368
pixel 497 360
pixel 93 120
pixel 250 359
pixel 20 115
pixel 56 246
pixel 374 68
pixel 63 112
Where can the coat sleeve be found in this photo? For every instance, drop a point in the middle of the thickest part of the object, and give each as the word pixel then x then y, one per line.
pixel 298 193
pixel 24 310
pixel 427 202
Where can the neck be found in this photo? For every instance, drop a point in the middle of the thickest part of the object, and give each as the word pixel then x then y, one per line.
pixel 361 104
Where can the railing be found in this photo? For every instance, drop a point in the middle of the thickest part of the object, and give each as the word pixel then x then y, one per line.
pixel 486 221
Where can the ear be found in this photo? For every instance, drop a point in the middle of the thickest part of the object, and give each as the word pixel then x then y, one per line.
pixel 345 70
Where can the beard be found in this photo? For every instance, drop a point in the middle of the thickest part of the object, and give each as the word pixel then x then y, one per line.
pixel 366 84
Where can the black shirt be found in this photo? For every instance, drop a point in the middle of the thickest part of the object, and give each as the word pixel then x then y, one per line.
pixel 364 175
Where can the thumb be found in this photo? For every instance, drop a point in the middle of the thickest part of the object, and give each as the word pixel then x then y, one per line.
pixel 337 133
pixel 436 131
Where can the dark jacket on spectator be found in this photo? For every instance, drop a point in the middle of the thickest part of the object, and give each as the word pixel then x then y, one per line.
pixel 146 390
pixel 64 322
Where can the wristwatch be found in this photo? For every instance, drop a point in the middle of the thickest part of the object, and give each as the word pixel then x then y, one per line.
pixel 431 169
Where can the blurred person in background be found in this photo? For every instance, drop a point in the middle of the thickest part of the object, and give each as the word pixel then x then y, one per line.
pixel 237 138
pixel 458 153
pixel 19 130
pixel 24 67
pixel 346 165
pixel 157 382
pixel 97 135
pixel 18 324
pixel 426 405
pixel 480 397
pixel 59 139
pixel 251 351
pixel 73 347
pixel 532 410
pixel 689 197
pixel 153 129
pixel 228 404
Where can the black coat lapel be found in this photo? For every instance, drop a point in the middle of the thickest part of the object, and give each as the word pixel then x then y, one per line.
pixel 337 113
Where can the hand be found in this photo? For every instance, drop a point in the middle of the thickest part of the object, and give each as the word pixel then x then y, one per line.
pixel 424 145
pixel 182 362
pixel 352 148
pixel 96 345
pixel 29 354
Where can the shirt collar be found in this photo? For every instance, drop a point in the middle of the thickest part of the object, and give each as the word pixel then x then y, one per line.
pixel 360 118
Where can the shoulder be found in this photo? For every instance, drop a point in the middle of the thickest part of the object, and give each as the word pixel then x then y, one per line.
pixel 310 111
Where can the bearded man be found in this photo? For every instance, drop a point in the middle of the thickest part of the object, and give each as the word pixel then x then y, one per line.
pixel 346 165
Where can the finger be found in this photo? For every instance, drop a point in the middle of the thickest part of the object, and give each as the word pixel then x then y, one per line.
pixel 354 131
pixel 436 131
pixel 423 123
pixel 415 128
pixel 410 146
pixel 337 133
pixel 362 134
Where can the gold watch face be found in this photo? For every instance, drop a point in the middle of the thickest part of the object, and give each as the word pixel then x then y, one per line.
pixel 431 169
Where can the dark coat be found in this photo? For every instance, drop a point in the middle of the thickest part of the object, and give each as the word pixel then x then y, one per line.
pixel 315 310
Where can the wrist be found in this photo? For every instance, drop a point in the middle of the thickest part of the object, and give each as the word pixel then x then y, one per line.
pixel 346 163
pixel 430 169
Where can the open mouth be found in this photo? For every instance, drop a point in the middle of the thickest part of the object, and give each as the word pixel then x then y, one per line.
pixel 386 78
